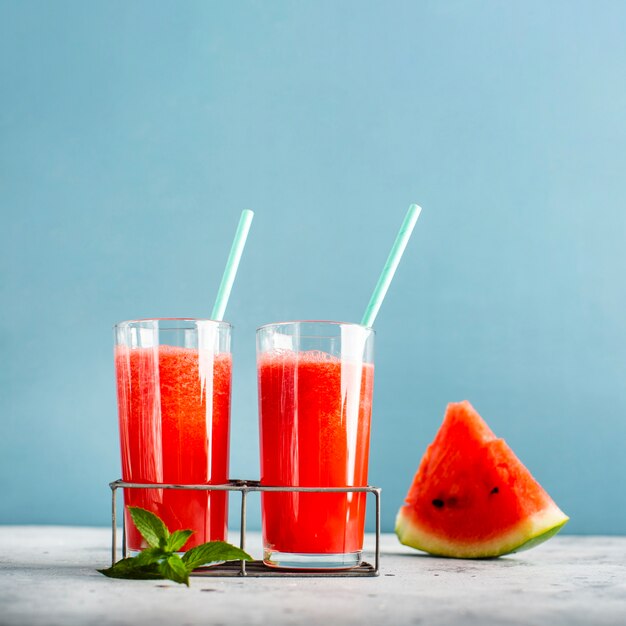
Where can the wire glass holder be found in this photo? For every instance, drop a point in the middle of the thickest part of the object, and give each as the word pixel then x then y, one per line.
pixel 251 568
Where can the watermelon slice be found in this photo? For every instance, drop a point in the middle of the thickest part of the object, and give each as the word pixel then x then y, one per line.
pixel 472 497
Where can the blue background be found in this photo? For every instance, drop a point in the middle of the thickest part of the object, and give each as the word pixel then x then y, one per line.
pixel 132 135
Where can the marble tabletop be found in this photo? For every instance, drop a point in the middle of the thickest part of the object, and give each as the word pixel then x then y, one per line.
pixel 48 577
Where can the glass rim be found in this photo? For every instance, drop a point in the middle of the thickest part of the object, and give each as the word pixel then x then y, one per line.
pixel 327 322
pixel 127 323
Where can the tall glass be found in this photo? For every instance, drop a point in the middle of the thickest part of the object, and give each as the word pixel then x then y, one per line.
pixel 173 389
pixel 315 402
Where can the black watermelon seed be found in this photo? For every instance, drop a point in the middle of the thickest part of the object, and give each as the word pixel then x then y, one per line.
pixel 495 490
pixel 438 503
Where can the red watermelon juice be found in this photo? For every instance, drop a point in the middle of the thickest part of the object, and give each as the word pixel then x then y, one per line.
pixel 315 414
pixel 174 414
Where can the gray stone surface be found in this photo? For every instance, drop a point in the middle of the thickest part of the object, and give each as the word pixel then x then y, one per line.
pixel 48 577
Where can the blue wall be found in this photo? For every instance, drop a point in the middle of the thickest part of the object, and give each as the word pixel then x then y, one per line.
pixel 132 134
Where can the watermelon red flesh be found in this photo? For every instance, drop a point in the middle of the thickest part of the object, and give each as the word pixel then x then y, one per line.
pixel 472 497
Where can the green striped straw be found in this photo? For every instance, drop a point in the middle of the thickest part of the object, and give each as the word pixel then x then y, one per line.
pixel 386 276
pixel 232 264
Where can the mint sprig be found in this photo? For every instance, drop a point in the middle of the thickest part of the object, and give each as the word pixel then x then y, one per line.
pixel 160 560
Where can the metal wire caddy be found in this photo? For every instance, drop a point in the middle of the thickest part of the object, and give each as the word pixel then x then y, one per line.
pixel 252 568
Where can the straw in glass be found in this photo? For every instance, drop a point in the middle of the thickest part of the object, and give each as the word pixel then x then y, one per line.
pixel 391 265
pixel 232 264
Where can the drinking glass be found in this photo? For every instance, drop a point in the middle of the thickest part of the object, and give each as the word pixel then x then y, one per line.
pixel 173 390
pixel 315 382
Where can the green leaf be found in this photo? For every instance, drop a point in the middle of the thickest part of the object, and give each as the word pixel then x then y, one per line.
pixel 174 569
pixel 128 568
pixel 211 552
pixel 152 529
pixel 177 540
pixel 149 556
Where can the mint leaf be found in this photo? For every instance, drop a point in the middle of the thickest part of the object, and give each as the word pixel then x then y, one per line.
pixel 151 527
pixel 174 569
pixel 129 569
pixel 177 540
pixel 213 551
pixel 148 557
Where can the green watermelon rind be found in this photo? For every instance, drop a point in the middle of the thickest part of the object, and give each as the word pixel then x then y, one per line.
pixel 539 539
pixel 527 534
